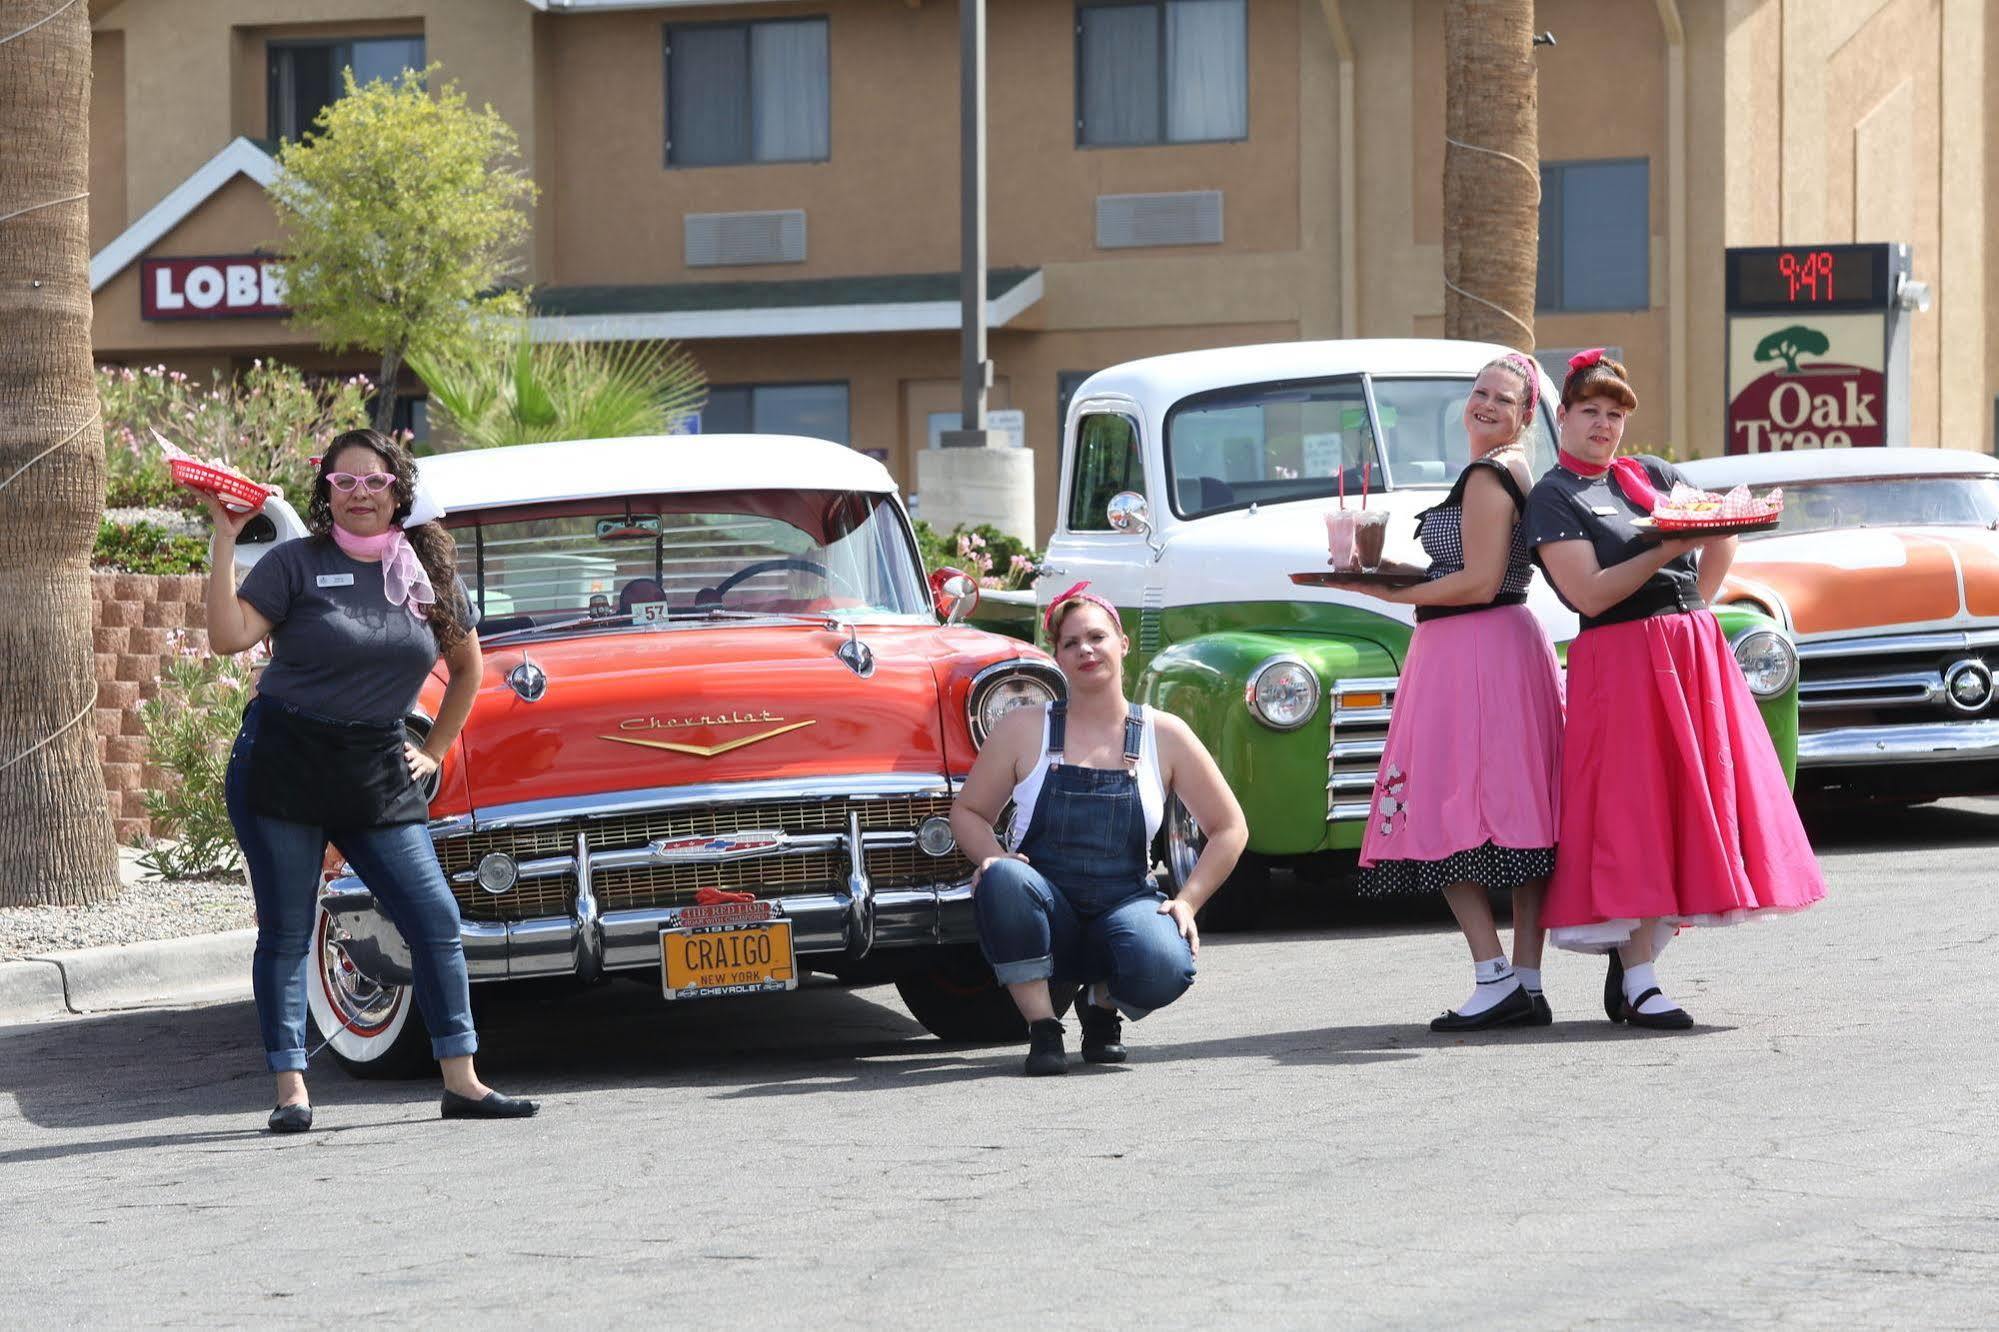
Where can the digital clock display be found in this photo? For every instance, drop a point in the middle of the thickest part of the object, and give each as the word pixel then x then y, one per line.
pixel 1815 277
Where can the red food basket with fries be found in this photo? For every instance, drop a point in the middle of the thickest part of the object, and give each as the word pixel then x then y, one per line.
pixel 237 492
pixel 1691 510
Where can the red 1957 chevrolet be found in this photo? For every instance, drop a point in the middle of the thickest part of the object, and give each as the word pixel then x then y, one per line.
pixel 716 743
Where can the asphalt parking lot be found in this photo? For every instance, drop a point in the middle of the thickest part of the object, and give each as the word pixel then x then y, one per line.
pixel 1289 1146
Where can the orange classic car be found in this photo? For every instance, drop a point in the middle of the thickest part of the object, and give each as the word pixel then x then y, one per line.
pixel 723 717
pixel 1885 568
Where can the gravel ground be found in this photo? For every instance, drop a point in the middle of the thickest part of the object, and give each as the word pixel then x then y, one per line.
pixel 146 909
pixel 181 522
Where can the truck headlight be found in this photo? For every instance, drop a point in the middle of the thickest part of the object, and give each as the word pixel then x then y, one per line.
pixel 1283 693
pixel 1769 662
pixel 1000 688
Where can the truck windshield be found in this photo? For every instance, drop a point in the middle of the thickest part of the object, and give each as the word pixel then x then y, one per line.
pixel 654 558
pixel 1267 443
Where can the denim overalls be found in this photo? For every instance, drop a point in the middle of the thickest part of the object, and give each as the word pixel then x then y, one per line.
pixel 1083 908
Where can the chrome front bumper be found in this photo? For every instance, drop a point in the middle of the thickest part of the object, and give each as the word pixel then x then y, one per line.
pixel 1927 742
pixel 845 924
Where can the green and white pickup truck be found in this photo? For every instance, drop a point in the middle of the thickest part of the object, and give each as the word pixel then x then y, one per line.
pixel 1194 485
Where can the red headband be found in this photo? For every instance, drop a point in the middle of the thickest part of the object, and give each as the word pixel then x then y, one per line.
pixel 1076 593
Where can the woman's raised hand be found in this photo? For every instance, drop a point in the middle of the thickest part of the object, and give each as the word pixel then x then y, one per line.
pixel 226 520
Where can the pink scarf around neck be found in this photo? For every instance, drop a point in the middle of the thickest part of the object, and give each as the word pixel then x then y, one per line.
pixel 403 580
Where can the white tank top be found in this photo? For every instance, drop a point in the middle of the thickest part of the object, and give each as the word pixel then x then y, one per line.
pixel 1151 789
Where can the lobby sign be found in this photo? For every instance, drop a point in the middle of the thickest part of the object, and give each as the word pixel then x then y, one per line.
pixel 212 287
pixel 1811 382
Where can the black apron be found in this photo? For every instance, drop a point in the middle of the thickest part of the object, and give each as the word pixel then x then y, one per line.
pixel 332 774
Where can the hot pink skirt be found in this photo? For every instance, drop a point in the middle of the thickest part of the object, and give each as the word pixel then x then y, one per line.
pixel 1474 748
pixel 1674 802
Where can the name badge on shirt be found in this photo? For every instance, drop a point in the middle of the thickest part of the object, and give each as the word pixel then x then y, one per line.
pixel 1601 511
pixel 336 580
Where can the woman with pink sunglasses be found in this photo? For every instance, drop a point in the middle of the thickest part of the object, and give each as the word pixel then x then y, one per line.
pixel 358 614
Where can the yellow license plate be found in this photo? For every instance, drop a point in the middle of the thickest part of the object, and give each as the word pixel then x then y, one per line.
pixel 703 961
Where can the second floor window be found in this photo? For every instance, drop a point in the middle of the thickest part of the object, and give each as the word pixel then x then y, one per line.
pixel 1596 236
pixel 1161 71
pixel 818 411
pixel 747 92
pixel 305 76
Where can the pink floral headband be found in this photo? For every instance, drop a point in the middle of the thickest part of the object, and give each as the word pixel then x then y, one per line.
pixel 1076 593
pixel 1530 374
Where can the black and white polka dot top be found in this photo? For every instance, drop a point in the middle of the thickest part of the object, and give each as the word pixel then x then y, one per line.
pixel 1441 530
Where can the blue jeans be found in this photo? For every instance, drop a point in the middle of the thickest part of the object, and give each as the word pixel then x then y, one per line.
pixel 400 867
pixel 1029 930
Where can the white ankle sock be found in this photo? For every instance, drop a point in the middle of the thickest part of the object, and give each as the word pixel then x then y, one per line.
pixel 1639 979
pixel 1492 981
pixel 1663 933
pixel 1529 977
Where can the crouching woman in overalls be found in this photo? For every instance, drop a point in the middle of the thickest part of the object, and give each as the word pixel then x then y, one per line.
pixel 1073 901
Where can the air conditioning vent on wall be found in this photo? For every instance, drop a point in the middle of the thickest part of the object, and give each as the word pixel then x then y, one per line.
pixel 722 240
pixel 1193 217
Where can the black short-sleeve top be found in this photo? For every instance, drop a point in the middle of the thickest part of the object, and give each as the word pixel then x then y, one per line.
pixel 1566 507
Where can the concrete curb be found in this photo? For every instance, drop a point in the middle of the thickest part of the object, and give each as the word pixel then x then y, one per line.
pixel 158 974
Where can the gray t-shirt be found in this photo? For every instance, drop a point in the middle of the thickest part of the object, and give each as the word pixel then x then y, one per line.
pixel 340 649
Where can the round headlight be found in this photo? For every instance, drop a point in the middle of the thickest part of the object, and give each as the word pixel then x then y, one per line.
pixel 1769 662
pixel 993 699
pixel 934 836
pixel 1283 693
pixel 498 873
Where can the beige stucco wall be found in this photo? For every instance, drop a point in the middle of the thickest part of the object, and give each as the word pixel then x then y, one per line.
pixel 107 138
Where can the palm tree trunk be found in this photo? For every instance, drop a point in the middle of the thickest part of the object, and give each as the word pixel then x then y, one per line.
pixel 55 826
pixel 1492 172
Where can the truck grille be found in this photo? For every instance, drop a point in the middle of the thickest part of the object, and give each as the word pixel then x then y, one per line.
pixel 675 884
pixel 1888 680
pixel 1357 735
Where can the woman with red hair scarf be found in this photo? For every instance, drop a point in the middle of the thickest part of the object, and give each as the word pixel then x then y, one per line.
pixel 1674 806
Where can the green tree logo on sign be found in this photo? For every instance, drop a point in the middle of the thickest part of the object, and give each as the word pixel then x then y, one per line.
pixel 1790 343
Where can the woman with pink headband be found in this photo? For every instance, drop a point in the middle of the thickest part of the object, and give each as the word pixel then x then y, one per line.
pixel 1465 799
pixel 1069 898
pixel 357 613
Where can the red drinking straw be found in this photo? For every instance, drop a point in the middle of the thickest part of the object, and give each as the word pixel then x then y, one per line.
pixel 1343 487
pixel 1366 470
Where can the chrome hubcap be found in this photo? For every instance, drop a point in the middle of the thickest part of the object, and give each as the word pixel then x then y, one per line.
pixel 358 1002
pixel 1184 840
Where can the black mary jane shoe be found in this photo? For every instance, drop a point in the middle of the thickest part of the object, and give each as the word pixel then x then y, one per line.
pixel 490 1106
pixel 1673 1019
pixel 1544 1016
pixel 1103 1031
pixel 1613 989
pixel 1045 1053
pixel 294 1118
pixel 1516 1009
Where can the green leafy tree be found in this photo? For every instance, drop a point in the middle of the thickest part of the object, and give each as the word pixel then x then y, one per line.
pixel 1788 344
pixel 403 217
pixel 505 388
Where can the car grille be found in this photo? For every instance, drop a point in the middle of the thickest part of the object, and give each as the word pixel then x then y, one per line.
pixel 1357 735
pixel 1887 680
pixel 663 885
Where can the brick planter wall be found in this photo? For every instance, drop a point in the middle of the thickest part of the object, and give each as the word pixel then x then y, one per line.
pixel 134 616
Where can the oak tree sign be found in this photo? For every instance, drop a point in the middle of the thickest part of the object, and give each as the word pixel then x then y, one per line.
pixel 1817 347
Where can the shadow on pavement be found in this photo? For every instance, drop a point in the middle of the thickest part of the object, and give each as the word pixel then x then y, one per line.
pixel 1854 828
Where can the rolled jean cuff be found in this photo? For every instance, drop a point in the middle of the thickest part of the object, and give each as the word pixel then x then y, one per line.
pixel 454 1047
pixel 1132 1011
pixel 1019 973
pixel 285 1061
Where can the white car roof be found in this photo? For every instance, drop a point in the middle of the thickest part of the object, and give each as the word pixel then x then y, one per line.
pixel 646 465
pixel 1775 469
pixel 1182 373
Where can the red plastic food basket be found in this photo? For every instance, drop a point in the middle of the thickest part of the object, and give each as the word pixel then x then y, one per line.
pixel 236 492
pixel 1671 524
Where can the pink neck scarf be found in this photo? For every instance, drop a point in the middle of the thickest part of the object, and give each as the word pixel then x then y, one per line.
pixel 403 580
pixel 1628 473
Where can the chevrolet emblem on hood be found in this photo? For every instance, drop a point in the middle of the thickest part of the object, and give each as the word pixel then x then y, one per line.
pixel 702 751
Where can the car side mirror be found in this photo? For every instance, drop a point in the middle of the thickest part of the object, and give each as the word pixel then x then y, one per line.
pixel 1127 513
pixel 955 593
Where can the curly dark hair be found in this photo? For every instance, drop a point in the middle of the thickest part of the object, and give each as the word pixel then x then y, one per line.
pixel 449 616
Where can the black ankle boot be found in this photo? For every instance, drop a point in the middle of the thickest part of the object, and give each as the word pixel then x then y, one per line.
pixel 1045 1054
pixel 1103 1031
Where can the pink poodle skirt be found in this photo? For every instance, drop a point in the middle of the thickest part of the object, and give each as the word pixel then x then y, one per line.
pixel 1674 803
pixel 1466 791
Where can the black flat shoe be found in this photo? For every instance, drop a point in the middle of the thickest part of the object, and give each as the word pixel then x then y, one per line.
pixel 295 1118
pixel 490 1106
pixel 1673 1019
pixel 1544 1016
pixel 1103 1031
pixel 1516 1009
pixel 1613 989
pixel 1045 1054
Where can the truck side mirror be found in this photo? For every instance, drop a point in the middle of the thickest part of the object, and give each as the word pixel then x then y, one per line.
pixel 1127 513
pixel 955 594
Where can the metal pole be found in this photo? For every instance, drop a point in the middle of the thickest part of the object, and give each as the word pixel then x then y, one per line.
pixel 976 371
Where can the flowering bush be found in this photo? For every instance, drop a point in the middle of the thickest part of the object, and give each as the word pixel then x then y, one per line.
pixel 147 549
pixel 997 560
pixel 265 424
pixel 190 725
